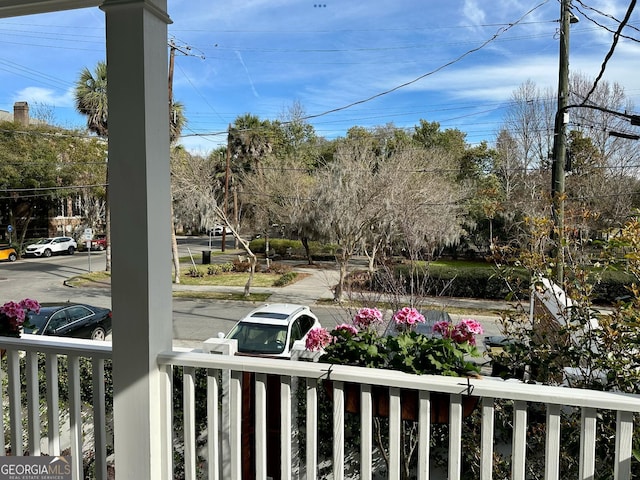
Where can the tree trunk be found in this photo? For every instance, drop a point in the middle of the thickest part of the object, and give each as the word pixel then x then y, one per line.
pixel 252 270
pixel 491 235
pixel 339 291
pixel 307 250
pixel 107 230
pixel 174 248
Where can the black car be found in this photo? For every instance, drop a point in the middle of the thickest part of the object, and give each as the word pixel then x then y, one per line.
pixel 76 320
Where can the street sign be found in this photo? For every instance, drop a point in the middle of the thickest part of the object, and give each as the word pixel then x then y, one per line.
pixel 9 228
pixel 88 234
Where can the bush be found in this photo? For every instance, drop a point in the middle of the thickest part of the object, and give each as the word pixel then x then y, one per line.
pixel 278 268
pixel 286 247
pixel 465 281
pixel 218 268
pixel 480 281
pixel 195 272
pixel 286 279
pixel 613 286
pixel 241 267
pixel 279 246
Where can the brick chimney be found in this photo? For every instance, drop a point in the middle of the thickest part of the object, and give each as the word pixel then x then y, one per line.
pixel 21 113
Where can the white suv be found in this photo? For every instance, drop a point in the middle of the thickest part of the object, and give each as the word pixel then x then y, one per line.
pixel 271 330
pixel 45 247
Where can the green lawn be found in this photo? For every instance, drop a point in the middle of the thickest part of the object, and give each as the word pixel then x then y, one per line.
pixel 230 279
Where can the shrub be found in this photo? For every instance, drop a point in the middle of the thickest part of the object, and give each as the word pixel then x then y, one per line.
pixel 226 267
pixel 214 270
pixel 195 272
pixel 288 247
pixel 278 268
pixel 240 266
pixel 286 279
pixel 613 286
pixel 467 281
pixel 218 268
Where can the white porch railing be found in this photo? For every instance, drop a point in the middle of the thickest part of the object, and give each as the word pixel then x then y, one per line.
pixel 216 429
pixel 37 411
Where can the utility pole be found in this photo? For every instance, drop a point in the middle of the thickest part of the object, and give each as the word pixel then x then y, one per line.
pixel 560 140
pixel 226 189
pixel 174 240
pixel 172 56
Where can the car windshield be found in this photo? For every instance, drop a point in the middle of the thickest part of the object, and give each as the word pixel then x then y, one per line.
pixel 37 321
pixel 259 338
pixel 44 241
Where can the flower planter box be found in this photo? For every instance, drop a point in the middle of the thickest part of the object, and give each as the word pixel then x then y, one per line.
pixel 409 402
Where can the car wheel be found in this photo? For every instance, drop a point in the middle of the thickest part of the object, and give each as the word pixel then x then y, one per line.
pixel 98 334
pixel 71 250
pixel 13 257
pixel 46 253
pixel 100 248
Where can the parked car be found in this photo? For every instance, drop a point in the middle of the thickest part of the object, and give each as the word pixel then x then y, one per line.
pixel 218 229
pixel 45 247
pixel 76 320
pixel 8 253
pixel 431 317
pixel 99 243
pixel 271 330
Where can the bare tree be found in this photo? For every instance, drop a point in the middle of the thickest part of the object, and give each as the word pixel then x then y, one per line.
pixel 194 191
pixel 614 160
pixel 348 199
pixel 529 122
pixel 362 200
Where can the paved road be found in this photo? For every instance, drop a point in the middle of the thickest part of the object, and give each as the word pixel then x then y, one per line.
pixel 194 320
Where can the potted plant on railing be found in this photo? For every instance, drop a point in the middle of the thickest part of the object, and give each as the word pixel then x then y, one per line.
pixel 14 315
pixel 448 350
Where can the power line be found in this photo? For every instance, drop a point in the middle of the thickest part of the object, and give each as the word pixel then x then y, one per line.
pixel 456 60
pixel 616 38
pixel 47 189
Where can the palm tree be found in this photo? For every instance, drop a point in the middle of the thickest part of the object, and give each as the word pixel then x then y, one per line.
pixel 91 98
pixel 91 101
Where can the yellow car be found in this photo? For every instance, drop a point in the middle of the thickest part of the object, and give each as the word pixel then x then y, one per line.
pixel 8 253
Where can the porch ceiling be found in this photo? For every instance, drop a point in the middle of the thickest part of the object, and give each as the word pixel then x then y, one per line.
pixel 15 8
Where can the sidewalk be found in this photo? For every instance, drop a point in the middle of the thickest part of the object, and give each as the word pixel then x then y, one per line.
pixel 318 284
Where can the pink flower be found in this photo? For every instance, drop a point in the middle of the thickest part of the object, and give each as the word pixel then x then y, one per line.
pixel 408 316
pixel 345 327
pixel 472 326
pixel 443 328
pixel 367 317
pixel 460 334
pixel 464 331
pixel 317 339
pixel 13 311
pixel 30 305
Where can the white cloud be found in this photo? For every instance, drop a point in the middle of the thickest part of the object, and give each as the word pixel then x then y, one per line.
pixel 473 13
pixel 44 96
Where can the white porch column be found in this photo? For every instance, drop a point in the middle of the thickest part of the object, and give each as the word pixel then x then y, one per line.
pixel 137 69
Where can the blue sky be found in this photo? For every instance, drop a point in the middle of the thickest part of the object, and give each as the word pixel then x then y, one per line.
pixel 261 56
